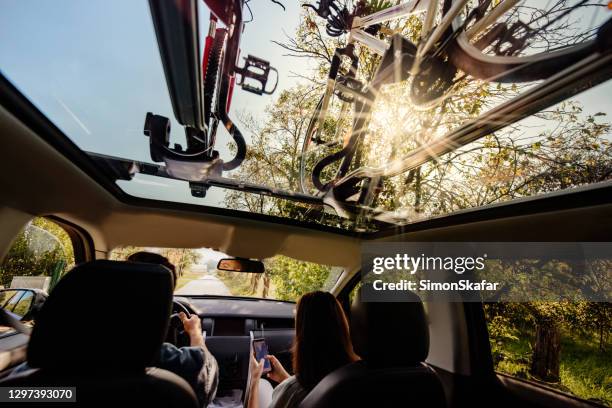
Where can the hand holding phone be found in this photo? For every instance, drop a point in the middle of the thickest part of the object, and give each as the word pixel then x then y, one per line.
pixel 278 373
pixel 260 349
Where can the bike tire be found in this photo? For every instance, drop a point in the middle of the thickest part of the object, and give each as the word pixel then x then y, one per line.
pixel 474 62
pixel 212 71
pixel 306 143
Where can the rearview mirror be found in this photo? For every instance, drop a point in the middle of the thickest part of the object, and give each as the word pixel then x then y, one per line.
pixel 241 265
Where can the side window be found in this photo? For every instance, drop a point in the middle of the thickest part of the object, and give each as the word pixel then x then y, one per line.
pixel 353 293
pixel 347 300
pixel 37 259
pixel 564 345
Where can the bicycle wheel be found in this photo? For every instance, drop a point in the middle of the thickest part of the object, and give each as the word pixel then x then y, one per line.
pixel 510 50
pixel 310 132
pixel 323 136
pixel 212 70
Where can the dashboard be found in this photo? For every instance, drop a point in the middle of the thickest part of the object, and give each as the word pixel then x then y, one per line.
pixel 231 323
pixel 235 316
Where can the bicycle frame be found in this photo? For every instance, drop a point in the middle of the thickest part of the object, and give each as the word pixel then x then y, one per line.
pixel 176 29
pixel 222 9
pixel 226 81
pixel 414 7
pixel 358 35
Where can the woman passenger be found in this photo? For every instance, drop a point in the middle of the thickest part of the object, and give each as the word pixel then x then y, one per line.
pixel 322 344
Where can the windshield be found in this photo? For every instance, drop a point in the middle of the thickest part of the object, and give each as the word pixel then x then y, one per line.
pixel 197 274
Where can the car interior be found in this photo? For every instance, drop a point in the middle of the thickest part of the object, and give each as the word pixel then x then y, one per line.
pixel 51 183
pixel 105 319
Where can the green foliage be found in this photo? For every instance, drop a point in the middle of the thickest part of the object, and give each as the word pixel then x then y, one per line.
pixel 593 317
pixel 284 279
pixel 40 249
pixel 181 258
pixel 241 284
pixel 293 278
pixel 585 370
pixel 59 233
pixel 585 366
pixel 122 253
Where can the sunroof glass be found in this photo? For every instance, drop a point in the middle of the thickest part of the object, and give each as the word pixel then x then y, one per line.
pixel 94 69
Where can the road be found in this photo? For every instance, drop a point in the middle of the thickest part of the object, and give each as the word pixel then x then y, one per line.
pixel 206 285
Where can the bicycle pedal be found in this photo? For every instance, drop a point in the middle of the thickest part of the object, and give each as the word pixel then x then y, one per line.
pixel 258 70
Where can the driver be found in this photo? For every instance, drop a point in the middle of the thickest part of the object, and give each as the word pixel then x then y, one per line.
pixel 194 363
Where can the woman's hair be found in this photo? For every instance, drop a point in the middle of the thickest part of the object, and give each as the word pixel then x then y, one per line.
pixel 153 258
pixel 322 340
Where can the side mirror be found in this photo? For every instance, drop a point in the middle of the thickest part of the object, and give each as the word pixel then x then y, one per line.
pixel 241 265
pixel 23 304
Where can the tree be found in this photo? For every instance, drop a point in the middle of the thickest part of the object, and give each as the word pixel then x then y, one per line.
pixel 123 252
pixel 42 248
pixel 181 258
pixel 293 278
pixel 593 317
pixel 284 278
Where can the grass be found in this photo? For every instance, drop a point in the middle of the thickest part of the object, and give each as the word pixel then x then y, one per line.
pixel 585 371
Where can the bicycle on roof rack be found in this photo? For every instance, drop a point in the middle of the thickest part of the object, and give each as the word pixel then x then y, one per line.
pixel 352 190
pixel 485 39
pixel 201 90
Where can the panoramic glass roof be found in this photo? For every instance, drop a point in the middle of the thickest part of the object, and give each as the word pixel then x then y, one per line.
pixel 94 69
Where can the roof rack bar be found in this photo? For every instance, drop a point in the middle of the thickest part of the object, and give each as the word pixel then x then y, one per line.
pixel 124 169
pixel 176 29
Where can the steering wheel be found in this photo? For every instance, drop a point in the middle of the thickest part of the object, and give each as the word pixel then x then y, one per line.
pixel 176 332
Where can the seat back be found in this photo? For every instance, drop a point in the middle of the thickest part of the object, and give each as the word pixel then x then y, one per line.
pixel 393 340
pixel 99 330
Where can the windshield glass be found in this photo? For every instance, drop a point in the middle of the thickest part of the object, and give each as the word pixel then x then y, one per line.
pixel 197 274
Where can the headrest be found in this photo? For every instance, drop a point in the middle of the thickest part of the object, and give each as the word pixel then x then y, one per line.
pixel 393 334
pixel 103 315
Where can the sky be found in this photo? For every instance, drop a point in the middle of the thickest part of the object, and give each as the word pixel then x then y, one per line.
pixel 93 67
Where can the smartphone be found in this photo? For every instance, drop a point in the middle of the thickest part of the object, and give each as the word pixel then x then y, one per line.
pixel 260 348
